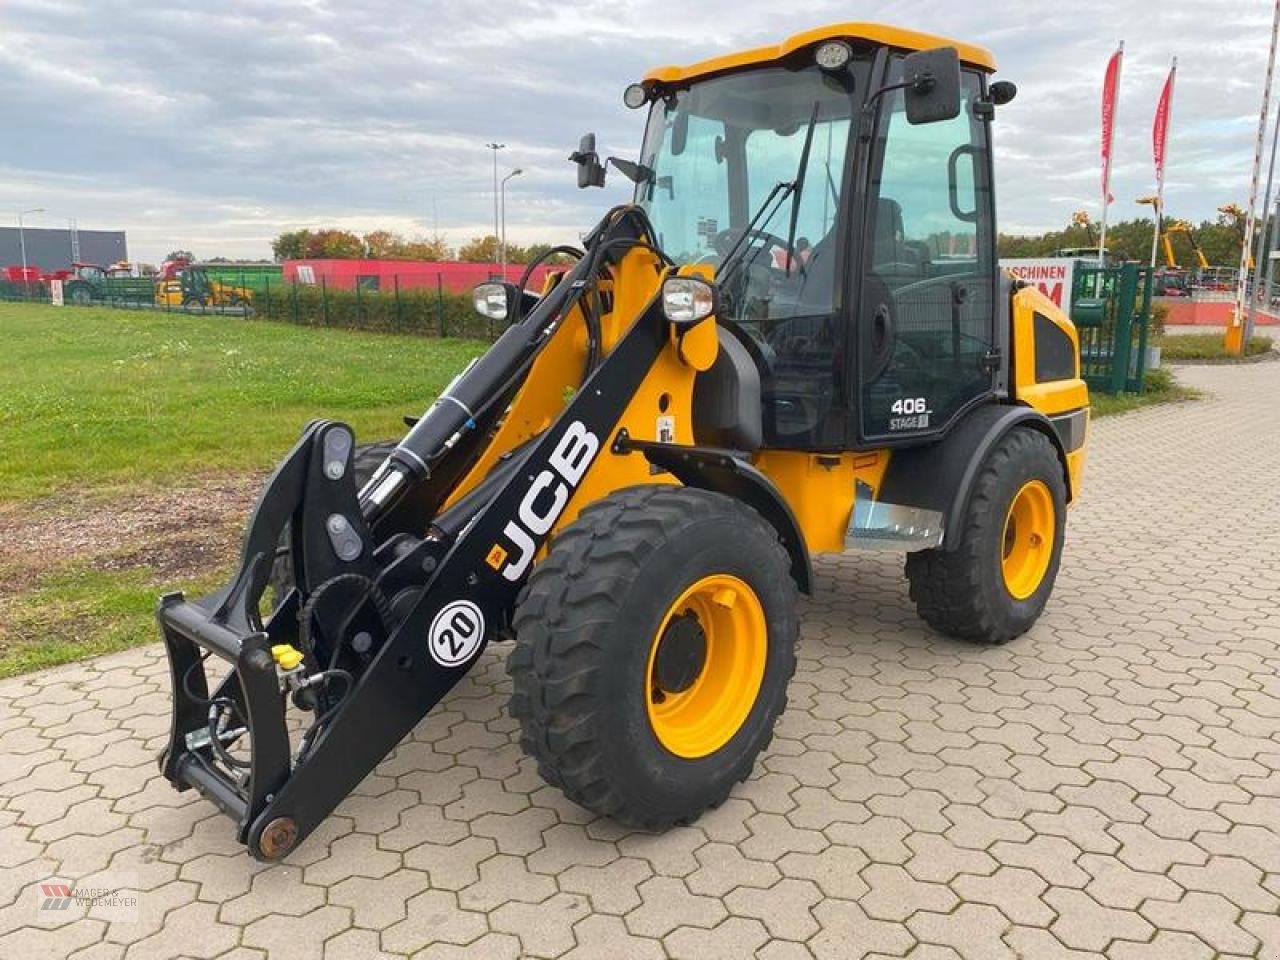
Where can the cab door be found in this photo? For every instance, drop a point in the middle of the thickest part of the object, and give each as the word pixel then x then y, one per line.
pixel 925 318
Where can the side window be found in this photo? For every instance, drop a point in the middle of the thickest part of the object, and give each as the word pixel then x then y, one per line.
pixel 695 204
pixel 926 319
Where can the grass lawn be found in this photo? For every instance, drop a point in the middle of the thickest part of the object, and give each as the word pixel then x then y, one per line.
pixel 1161 387
pixel 132 446
pixel 1207 346
pixel 103 397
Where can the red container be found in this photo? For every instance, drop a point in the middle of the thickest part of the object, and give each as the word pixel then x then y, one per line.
pixel 382 275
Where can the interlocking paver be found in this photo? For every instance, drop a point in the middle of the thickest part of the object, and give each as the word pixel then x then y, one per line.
pixel 1107 785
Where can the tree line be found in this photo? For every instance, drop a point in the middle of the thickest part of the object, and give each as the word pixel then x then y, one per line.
pixel 1219 239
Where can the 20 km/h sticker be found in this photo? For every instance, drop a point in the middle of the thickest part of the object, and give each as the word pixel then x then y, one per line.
pixel 456 633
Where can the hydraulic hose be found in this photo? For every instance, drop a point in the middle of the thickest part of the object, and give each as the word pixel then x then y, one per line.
pixel 464 402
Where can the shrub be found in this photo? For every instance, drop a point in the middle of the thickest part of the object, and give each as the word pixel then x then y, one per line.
pixel 419 311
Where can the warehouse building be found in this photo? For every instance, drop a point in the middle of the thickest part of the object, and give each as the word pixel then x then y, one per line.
pixel 51 250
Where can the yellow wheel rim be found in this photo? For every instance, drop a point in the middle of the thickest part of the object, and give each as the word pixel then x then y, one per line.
pixel 709 708
pixel 1029 529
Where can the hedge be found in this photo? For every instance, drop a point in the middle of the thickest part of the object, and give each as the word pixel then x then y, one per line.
pixel 425 312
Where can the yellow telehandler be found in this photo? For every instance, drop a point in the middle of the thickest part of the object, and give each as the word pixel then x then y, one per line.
pixel 794 341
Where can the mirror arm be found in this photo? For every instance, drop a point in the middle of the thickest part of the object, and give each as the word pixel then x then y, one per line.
pixel 868 108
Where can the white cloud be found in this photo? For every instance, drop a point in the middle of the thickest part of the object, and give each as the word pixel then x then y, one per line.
pixel 216 127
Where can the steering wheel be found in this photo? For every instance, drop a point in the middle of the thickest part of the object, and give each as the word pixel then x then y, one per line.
pixel 725 240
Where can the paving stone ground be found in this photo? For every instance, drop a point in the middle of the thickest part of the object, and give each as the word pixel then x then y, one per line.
pixel 1108 785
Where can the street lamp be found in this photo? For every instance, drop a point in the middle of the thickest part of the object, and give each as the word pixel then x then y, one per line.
pixel 22 242
pixel 502 244
pixel 495 147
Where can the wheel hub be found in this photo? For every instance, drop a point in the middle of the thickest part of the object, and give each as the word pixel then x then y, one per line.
pixel 682 653
pixel 706 665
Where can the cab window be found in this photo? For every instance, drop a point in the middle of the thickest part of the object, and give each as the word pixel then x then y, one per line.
pixel 925 319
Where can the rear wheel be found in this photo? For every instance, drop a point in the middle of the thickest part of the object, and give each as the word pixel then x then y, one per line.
pixel 995 583
pixel 653 649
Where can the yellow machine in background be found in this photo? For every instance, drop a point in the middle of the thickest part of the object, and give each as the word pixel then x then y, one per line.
pixel 795 340
pixel 191 286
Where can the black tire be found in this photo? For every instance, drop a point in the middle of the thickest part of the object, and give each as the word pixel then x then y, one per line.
pixel 962 592
pixel 585 624
pixel 81 296
pixel 366 459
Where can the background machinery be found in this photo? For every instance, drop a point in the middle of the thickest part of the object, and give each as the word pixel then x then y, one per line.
pixel 794 341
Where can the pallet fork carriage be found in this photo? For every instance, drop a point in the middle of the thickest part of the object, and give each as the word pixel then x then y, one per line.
pixel 794 341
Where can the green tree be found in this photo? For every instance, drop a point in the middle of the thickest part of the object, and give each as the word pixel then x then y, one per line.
pixel 383 245
pixel 334 245
pixel 433 247
pixel 479 250
pixel 180 255
pixel 291 245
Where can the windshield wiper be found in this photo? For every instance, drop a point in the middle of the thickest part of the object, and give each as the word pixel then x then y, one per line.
pixel 799 186
pixel 783 187
pixel 781 191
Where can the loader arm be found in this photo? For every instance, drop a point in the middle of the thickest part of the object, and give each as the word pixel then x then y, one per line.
pixel 427 591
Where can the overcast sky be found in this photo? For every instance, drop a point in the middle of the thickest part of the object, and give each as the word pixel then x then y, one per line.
pixel 216 126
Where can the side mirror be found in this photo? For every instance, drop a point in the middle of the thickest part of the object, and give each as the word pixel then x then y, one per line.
pixel 932 85
pixel 1002 92
pixel 590 169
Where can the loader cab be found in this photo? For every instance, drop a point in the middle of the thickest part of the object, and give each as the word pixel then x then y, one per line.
pixel 854 245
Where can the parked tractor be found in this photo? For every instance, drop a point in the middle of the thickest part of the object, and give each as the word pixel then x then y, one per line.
pixel 93 283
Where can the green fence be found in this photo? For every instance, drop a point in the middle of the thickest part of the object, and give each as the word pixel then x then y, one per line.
pixel 1111 308
pixel 395 308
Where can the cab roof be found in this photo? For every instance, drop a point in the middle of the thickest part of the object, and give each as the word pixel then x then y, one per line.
pixel 876 33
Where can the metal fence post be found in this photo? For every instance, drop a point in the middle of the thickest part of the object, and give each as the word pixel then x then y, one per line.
pixel 395 282
pixel 359 304
pixel 1122 342
pixel 324 300
pixel 440 305
pixel 1144 327
pixel 294 297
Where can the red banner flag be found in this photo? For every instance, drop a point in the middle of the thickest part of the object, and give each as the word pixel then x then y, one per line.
pixel 1110 97
pixel 1160 129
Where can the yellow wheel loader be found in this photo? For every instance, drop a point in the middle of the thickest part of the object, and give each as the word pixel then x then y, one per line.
pixel 794 341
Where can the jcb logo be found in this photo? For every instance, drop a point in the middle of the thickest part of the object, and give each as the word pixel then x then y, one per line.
pixel 545 500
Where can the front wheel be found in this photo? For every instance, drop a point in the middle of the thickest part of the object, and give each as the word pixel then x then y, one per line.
pixel 653 650
pixel 996 581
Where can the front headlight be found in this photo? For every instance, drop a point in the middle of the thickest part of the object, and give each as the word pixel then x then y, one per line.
pixel 686 300
pixel 490 301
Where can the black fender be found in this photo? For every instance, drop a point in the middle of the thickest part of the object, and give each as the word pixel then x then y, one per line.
pixel 941 475
pixel 709 468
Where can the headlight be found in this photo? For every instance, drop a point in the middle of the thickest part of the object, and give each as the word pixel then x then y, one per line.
pixel 635 96
pixel 490 300
pixel 686 300
pixel 833 54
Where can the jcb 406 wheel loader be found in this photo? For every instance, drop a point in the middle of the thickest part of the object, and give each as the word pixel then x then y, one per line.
pixel 795 341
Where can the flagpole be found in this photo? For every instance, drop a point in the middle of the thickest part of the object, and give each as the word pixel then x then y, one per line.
pixel 1164 111
pixel 1109 136
pixel 1235 338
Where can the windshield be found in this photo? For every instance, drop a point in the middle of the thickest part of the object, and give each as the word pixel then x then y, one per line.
pixel 716 154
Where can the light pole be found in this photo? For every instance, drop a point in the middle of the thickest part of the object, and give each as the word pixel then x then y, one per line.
pixel 22 243
pixel 502 243
pixel 495 147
